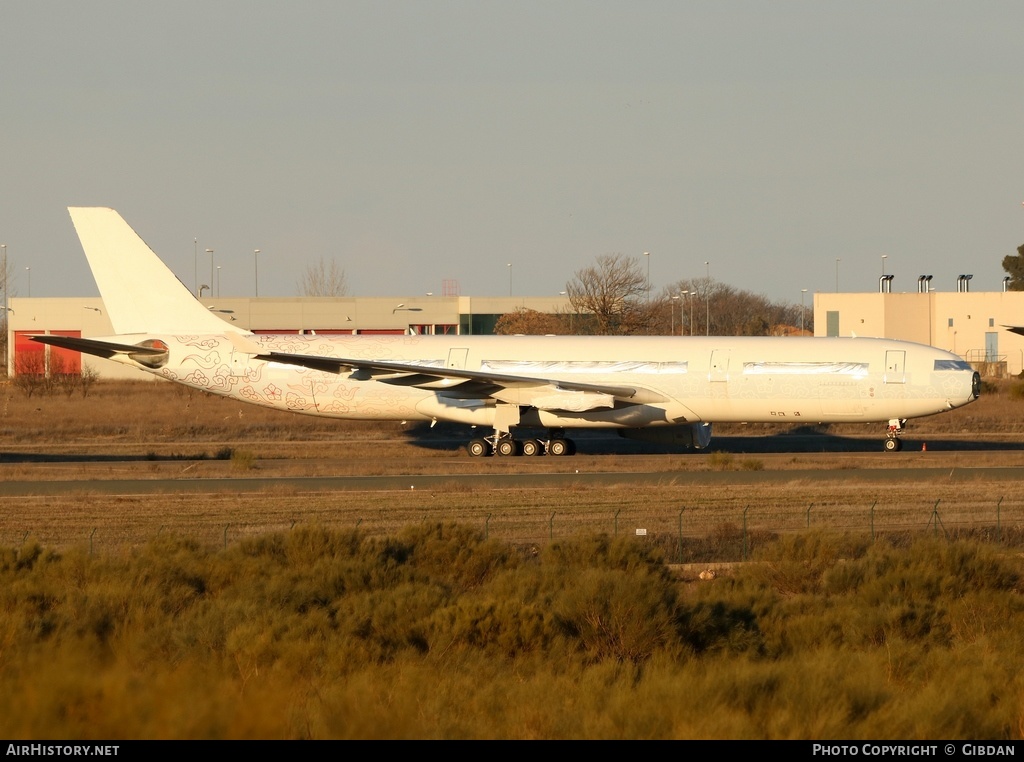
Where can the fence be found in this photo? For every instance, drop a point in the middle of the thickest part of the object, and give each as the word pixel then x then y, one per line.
pixel 699 531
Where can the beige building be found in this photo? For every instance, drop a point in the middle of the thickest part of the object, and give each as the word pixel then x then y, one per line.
pixel 86 316
pixel 970 324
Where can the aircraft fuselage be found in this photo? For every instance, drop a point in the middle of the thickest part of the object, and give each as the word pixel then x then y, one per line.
pixel 682 379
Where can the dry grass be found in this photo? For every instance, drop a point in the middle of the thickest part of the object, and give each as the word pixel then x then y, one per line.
pixel 159 431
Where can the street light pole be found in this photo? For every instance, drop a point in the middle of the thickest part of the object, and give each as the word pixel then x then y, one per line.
pixel 837 275
pixel 3 247
pixel 218 281
pixel 707 300
pixel 210 252
pixel 803 293
pixel 510 279
pixel 29 271
pixel 256 269
pixel 647 254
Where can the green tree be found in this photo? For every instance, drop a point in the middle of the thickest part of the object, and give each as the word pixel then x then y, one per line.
pixel 1014 266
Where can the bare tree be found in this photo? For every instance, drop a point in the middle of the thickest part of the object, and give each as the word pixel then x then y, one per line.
pixel 612 296
pixel 323 278
pixel 706 306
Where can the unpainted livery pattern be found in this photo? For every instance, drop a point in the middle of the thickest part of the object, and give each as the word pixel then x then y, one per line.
pixel 639 384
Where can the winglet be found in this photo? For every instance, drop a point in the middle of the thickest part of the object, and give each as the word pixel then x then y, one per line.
pixel 140 293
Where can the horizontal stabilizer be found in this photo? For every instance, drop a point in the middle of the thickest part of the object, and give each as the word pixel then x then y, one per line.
pixel 95 346
pixel 151 352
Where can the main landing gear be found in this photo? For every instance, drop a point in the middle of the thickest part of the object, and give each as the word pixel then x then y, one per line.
pixel 505 445
pixel 893 443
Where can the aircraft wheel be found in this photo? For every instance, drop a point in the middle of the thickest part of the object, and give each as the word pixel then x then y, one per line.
pixel 893 445
pixel 507 447
pixel 478 448
pixel 558 447
pixel 531 447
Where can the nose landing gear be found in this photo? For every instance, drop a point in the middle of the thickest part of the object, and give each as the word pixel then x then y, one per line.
pixel 893 443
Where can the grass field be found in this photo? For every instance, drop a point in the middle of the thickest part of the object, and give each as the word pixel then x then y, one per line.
pixel 851 599
pixel 149 430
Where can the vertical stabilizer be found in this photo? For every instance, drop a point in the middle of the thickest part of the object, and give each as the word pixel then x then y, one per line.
pixel 140 293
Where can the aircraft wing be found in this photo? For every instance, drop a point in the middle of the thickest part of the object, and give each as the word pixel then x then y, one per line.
pixel 543 393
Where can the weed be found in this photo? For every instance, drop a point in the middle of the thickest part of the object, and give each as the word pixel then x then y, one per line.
pixel 720 461
pixel 243 460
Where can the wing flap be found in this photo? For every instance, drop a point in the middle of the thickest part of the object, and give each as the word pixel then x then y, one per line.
pixel 546 393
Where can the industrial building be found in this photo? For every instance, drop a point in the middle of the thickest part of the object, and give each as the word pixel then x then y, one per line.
pixel 973 325
pixel 86 316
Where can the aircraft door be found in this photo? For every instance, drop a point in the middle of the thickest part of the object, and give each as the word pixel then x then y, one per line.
pixel 719 365
pixel 239 364
pixel 457 358
pixel 895 366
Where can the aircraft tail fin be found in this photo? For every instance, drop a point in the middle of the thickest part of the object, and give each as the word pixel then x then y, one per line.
pixel 140 293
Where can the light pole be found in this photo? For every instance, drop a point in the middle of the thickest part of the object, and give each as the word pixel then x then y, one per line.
pixel 707 301
pixel 884 257
pixel 218 281
pixel 256 269
pixel 510 279
pixel 803 293
pixel 837 275
pixel 672 310
pixel 210 252
pixel 3 247
pixel 195 265
pixel 29 271
pixel 647 254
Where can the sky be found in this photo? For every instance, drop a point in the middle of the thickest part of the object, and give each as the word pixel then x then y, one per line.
pixel 499 147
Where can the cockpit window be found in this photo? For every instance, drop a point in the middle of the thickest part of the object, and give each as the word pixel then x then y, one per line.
pixel 952 365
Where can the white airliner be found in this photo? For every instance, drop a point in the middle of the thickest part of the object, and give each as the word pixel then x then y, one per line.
pixel 666 389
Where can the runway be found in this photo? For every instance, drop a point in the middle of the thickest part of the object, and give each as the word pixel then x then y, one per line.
pixel 504 481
